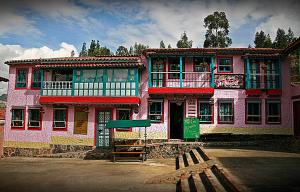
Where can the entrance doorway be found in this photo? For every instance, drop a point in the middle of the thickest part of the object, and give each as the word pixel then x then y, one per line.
pixel 176 120
pixel 296 109
pixel 103 136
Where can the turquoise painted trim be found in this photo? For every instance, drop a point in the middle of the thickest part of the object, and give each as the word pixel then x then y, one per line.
pixel 136 71
pixel 212 77
pixel 104 81
pixel 247 73
pixel 279 63
pixel 112 124
pixel 73 82
pixel 42 81
pixel 149 72
pixel 180 74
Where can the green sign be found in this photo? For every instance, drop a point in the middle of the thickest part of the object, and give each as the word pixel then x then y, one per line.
pixel 191 128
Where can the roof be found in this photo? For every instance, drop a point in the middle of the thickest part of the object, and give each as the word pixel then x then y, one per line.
pixel 267 55
pixel 292 46
pixel 210 51
pixel 107 60
pixel 3 79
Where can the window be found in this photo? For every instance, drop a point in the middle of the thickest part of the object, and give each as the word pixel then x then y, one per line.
pixel 21 81
pixel 273 76
pixel 255 76
pixel 36 79
pixel 60 118
pixel 273 111
pixel 226 114
pixel 120 75
pixel 155 110
pixel 205 111
pixel 17 120
pixel 253 111
pixel 158 72
pixel 123 114
pixel 34 118
pixel 174 68
pixel 201 64
pixel 225 65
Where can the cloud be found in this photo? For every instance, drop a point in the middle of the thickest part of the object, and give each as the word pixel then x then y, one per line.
pixel 11 52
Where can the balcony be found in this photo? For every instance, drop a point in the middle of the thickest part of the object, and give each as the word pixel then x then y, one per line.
pixel 257 83
pixel 176 82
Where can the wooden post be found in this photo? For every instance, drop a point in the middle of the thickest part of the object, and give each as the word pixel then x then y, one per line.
pixel 149 72
pixel 212 78
pixel 247 73
pixel 180 74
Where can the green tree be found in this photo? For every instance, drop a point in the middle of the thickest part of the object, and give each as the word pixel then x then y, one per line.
pixel 169 46
pixel 83 52
pixel 281 40
pixel 131 50
pixel 290 36
pixel 92 49
pixel 72 53
pixel 217 30
pixel 103 51
pixel 121 51
pixel 262 40
pixel 162 44
pixel 138 49
pixel 184 42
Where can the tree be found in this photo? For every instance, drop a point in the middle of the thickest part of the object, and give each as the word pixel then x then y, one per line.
pixel 262 40
pixel 72 53
pixel 290 36
pixel 162 44
pixel 83 52
pixel 169 46
pixel 121 51
pixel 131 50
pixel 92 49
pixel 217 30
pixel 281 40
pixel 137 49
pixel 184 42
pixel 103 51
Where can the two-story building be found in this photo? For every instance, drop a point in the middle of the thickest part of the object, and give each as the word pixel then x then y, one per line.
pixel 67 101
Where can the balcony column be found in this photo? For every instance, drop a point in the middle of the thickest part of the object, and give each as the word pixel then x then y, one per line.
pixel 247 73
pixel 180 74
pixel 73 84
pixel 212 71
pixel 149 72
pixel 42 81
pixel 279 73
pixel 136 82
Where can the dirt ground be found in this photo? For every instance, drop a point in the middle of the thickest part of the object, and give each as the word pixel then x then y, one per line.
pixel 261 170
pixel 42 174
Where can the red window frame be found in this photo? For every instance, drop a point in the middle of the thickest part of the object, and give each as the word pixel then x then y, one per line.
pixel 62 128
pixel 267 111
pixel 246 111
pixel 225 57
pixel 162 110
pixel 32 72
pixel 16 79
pixel 232 103
pixel 117 118
pixel 211 102
pixel 41 119
pixel 24 119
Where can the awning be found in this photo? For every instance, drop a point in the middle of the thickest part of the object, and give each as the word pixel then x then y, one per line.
pixel 127 123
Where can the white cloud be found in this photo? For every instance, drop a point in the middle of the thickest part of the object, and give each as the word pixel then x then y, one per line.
pixel 11 52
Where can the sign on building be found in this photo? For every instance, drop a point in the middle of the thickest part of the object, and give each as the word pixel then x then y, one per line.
pixel 230 81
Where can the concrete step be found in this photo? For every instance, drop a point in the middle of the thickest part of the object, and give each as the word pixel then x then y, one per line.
pixel 213 180
pixel 199 186
pixel 203 155
pixel 188 159
pixel 197 157
pixel 184 184
pixel 180 162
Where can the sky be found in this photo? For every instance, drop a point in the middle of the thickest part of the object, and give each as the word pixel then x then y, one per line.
pixel 35 29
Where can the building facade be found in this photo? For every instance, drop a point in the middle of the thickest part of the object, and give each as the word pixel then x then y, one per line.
pixel 67 101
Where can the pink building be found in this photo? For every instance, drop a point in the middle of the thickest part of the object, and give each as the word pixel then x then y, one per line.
pixel 67 101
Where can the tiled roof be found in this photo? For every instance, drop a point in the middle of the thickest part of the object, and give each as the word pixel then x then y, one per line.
pixel 270 55
pixel 98 59
pixel 107 64
pixel 210 51
pixel 292 46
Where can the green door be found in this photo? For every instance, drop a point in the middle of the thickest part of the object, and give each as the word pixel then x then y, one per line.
pixel 102 135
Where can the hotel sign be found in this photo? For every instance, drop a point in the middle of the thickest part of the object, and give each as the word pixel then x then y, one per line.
pixel 229 81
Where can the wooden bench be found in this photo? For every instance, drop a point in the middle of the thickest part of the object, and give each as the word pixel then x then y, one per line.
pixel 128 152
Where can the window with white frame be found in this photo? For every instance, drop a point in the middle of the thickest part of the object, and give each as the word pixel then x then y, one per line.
pixel 205 111
pixel 34 118
pixel 155 110
pixel 60 118
pixel 225 112
pixel 18 118
pixel 273 111
pixel 253 111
